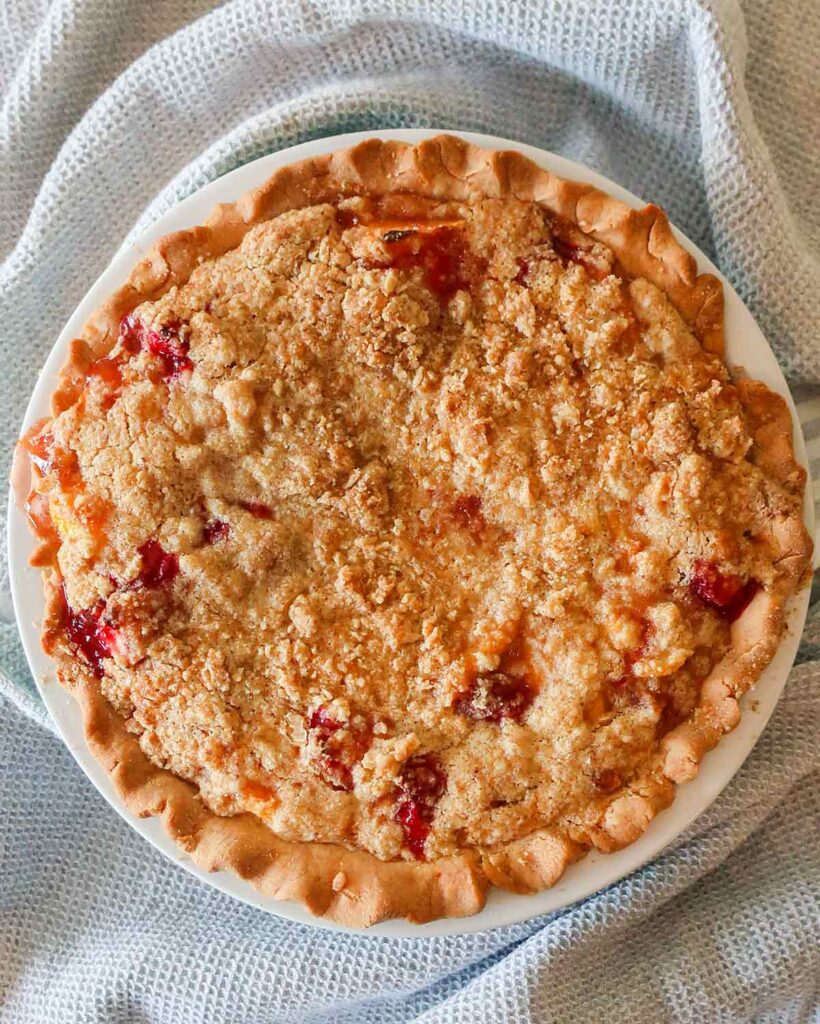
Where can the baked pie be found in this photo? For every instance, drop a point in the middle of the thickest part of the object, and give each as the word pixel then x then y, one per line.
pixel 403 531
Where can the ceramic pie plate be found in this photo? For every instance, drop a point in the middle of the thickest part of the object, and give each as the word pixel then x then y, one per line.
pixel 745 345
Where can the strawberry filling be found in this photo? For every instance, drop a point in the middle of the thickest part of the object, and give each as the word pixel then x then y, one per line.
pixel 571 253
pixel 215 531
pixel 341 746
pixel 724 593
pixel 493 696
pixel 170 349
pixel 165 344
pixel 523 271
pixel 49 458
pixel 421 785
pixel 88 632
pixel 257 508
pixel 439 248
pixel 440 254
pixel 505 692
pixel 159 568
pixel 607 781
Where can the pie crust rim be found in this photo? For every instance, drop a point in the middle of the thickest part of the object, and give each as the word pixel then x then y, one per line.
pixel 351 887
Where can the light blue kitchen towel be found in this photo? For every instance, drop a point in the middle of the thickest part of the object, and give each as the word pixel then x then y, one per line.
pixel 115 109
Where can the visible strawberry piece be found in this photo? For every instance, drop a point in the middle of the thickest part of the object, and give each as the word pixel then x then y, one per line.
pixel 439 250
pixel 215 531
pixel 87 634
pixel 607 781
pixel 159 567
pixel 166 344
pixel 413 818
pixel 323 722
pixel 108 637
pixel 421 785
pixel 96 638
pixel 493 696
pixel 170 349
pixel 566 250
pixel 132 333
pixel 569 252
pixel 341 744
pixel 724 593
pixel 108 368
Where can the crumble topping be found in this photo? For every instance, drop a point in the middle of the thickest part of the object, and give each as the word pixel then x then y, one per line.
pixel 406 526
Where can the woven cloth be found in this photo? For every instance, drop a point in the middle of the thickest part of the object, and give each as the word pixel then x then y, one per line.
pixel 115 109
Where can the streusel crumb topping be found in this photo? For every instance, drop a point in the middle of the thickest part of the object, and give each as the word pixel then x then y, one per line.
pixel 405 526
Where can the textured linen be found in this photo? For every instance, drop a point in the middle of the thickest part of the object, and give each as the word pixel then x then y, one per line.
pixel 115 109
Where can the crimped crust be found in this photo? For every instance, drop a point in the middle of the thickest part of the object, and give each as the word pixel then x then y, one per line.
pixel 355 887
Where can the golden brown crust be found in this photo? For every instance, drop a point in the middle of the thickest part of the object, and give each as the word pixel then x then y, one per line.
pixel 352 887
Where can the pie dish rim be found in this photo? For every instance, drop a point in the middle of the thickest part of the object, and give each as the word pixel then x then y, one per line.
pixel 335 144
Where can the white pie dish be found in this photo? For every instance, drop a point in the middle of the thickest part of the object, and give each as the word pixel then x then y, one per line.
pixel 596 871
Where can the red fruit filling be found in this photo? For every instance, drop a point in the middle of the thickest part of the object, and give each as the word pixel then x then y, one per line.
pixel 440 254
pixel 421 785
pixel 347 218
pixel 48 457
pixel 566 250
pixel 506 692
pixel 132 334
pixel 607 780
pixel 159 567
pixel 725 594
pixel 577 254
pixel 108 370
pixel 342 745
pixel 439 250
pixel 323 722
pixel 495 695
pixel 166 344
pixel 466 513
pixel 38 448
pixel 215 531
pixel 257 508
pixel 170 349
pixel 87 634
pixel 96 639
pixel 628 689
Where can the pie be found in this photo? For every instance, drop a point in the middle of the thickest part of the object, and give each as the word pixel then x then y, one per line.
pixel 404 533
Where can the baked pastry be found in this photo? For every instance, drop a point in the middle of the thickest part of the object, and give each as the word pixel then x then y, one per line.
pixel 404 532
